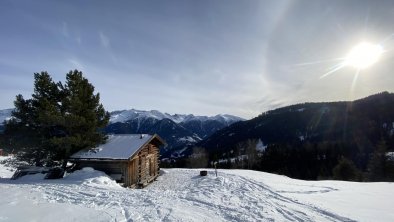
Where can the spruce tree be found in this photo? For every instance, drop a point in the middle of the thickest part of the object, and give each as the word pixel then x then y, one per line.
pixel 57 121
pixel 346 170
pixel 84 115
pixel 251 153
pixel 198 159
pixel 376 164
pixel 31 126
pixel 46 103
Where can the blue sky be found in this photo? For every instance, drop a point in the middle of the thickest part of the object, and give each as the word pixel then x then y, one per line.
pixel 201 57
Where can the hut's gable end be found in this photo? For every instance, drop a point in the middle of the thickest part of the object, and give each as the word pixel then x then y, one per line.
pixel 131 172
pixel 143 167
pixel 148 164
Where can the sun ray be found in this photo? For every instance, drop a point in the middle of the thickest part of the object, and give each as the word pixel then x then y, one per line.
pixel 332 70
pixel 387 38
pixel 355 80
pixel 361 56
pixel 319 62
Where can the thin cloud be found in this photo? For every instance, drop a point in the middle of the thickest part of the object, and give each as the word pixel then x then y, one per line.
pixel 104 40
pixel 76 64
pixel 65 30
pixel 79 40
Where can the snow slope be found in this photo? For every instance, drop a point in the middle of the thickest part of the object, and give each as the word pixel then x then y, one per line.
pixel 182 195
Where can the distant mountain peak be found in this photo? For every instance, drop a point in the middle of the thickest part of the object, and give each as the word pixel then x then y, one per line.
pixel 125 115
pixel 5 114
pixel 179 130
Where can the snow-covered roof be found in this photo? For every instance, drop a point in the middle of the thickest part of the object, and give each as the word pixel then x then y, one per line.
pixel 117 147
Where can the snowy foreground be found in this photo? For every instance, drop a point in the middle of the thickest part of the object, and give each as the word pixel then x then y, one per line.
pixel 182 195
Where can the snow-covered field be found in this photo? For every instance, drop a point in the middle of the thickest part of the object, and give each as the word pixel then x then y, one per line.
pixel 182 195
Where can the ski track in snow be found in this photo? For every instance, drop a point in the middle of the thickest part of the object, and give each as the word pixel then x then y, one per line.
pixel 182 195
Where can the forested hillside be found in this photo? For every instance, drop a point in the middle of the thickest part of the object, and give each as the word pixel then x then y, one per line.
pixel 309 140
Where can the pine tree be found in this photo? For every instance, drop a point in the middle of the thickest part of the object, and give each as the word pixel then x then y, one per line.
pixel 84 115
pixel 376 164
pixel 57 121
pixel 33 121
pixel 346 170
pixel 251 153
pixel 198 159
pixel 46 104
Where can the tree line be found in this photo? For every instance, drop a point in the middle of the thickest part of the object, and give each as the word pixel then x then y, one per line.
pixel 310 161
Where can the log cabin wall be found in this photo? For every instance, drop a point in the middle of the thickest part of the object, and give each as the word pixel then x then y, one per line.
pixel 131 173
pixel 148 164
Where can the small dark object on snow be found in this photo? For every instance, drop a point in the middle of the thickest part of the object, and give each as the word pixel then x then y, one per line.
pixel 203 173
pixel 71 168
pixel 28 170
pixel 55 173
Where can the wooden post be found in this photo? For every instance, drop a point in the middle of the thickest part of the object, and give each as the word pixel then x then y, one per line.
pixel 216 169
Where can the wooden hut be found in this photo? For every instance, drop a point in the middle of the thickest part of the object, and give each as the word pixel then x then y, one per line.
pixel 130 159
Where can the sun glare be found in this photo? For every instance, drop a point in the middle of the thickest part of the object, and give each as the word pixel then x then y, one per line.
pixel 363 55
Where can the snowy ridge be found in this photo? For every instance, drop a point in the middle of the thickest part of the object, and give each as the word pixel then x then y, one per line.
pixel 189 139
pixel 125 115
pixel 5 114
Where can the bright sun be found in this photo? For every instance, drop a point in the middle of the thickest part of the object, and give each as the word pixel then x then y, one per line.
pixel 363 55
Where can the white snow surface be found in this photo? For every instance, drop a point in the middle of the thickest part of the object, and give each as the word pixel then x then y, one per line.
pixel 187 139
pixel 260 146
pixel 390 156
pixel 182 195
pixel 125 115
pixel 5 172
pixel 117 147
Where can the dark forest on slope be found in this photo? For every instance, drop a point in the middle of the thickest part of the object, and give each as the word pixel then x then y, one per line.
pixel 340 140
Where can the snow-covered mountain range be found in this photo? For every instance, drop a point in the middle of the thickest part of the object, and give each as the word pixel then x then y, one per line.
pixel 177 130
pixel 126 115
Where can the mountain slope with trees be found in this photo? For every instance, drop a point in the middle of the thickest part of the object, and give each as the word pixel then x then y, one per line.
pixel 309 140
